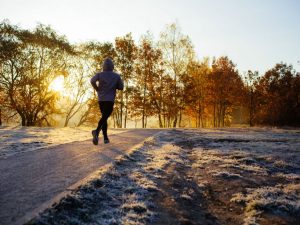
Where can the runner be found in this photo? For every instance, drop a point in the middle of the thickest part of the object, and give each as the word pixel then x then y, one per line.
pixel 105 83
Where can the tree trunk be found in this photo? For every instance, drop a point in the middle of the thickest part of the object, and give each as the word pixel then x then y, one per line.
pixel 201 118
pixel 125 118
pixel 144 103
pixel 251 109
pixel 114 119
pixel 175 120
pixel 214 114
pixel 160 120
pixel 199 113
pixel 219 113
pixel 121 111
pixel 0 117
pixel 180 117
pixel 66 121
pixel 23 121
pixel 126 107
pixel 29 121
pixel 143 119
pixel 83 117
pixel 223 114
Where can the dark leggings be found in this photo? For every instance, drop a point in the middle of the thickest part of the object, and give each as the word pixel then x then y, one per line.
pixel 106 108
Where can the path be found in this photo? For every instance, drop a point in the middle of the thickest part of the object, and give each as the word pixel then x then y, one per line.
pixel 29 180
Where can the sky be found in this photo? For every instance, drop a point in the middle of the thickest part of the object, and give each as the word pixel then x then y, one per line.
pixel 254 34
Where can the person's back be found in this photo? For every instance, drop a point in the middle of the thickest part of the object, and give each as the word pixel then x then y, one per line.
pixel 109 81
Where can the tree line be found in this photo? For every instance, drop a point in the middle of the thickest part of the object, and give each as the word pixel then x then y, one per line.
pixel 164 81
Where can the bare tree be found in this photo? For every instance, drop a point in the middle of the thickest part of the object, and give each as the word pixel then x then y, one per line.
pixel 177 51
pixel 125 58
pixel 77 87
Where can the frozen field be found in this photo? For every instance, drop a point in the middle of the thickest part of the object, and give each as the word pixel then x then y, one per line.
pixel 189 176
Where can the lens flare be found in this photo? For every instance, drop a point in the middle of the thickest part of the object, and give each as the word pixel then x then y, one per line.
pixel 57 84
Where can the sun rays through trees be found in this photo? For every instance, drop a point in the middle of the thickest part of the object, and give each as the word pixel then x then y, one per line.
pixel 45 79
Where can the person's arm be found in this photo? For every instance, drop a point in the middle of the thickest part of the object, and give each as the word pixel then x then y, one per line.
pixel 120 84
pixel 93 82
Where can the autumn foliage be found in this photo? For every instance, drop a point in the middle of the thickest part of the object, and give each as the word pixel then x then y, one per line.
pixel 166 85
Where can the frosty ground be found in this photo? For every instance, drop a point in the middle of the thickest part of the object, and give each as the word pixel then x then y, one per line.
pixel 32 178
pixel 14 140
pixel 189 176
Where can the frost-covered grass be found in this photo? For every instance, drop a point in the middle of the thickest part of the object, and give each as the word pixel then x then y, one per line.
pixel 281 199
pixel 23 139
pixel 260 166
pixel 122 194
pixel 225 175
pixel 190 176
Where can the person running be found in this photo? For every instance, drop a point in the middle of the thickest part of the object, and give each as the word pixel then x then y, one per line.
pixel 105 83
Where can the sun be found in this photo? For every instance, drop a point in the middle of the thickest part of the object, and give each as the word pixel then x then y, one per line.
pixel 57 84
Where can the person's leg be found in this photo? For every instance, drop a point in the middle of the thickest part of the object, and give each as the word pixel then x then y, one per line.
pixel 101 121
pixel 108 108
pixel 104 130
pixel 96 132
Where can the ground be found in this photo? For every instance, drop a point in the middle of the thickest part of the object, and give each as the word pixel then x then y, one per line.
pixel 17 139
pixel 189 176
pixel 193 176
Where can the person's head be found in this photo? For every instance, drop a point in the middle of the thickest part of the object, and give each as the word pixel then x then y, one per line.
pixel 108 65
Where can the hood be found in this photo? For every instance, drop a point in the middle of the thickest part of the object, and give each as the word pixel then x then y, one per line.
pixel 108 65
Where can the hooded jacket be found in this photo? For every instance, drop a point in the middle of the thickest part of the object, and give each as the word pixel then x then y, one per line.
pixel 108 82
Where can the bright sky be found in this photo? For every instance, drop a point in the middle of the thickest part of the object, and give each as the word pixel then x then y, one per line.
pixel 255 34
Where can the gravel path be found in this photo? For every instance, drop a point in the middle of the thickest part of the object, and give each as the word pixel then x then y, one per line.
pixel 28 180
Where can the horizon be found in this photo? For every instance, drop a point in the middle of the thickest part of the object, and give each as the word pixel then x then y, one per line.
pixel 270 26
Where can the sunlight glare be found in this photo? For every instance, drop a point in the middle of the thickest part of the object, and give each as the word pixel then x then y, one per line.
pixel 57 84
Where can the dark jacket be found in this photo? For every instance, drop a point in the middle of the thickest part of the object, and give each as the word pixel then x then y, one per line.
pixel 108 82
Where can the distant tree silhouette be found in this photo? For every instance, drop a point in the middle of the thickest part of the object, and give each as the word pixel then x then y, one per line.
pixel 278 97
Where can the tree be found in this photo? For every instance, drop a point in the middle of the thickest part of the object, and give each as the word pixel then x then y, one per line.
pixel 76 87
pixel 278 97
pixel 147 80
pixel 225 88
pixel 251 82
pixel 195 90
pixel 97 52
pixel 125 58
pixel 177 52
pixel 30 61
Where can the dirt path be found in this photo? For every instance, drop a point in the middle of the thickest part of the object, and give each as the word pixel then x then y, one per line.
pixel 33 178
